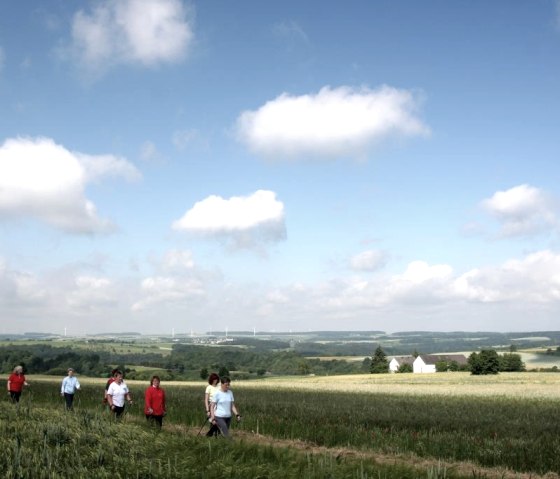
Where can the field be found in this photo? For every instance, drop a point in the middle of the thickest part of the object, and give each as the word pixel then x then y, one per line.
pixel 448 425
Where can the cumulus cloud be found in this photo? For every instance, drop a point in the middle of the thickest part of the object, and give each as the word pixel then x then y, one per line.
pixel 535 279
pixel 146 32
pixel 167 291
pixel 44 180
pixel 522 211
pixel 178 261
pixel 370 260
pixel 246 220
pixel 334 122
pixel 91 293
pixel 19 289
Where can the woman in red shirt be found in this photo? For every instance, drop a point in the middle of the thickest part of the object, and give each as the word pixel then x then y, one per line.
pixel 154 402
pixel 16 381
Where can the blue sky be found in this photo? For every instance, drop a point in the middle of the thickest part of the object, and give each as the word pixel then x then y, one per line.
pixel 360 165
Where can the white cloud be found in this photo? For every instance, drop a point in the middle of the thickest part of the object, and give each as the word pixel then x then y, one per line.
pixel 91 293
pixel 370 260
pixel 247 220
pixel 43 180
pixel 332 123
pixel 177 261
pixel 147 32
pixel 422 296
pixel 535 278
pixel 167 291
pixel 522 211
pixel 19 289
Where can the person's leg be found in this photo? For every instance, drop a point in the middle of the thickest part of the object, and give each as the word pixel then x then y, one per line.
pixel 69 400
pixel 223 425
pixel 118 411
pixel 15 396
pixel 159 421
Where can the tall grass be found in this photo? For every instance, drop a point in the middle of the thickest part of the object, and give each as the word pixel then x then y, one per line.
pixel 40 442
pixel 515 433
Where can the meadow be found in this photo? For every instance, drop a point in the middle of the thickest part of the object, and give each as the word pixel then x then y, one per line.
pixel 450 425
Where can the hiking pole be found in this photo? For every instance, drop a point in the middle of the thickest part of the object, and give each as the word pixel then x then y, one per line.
pixel 202 427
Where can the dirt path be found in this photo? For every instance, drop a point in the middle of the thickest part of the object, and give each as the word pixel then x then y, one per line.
pixel 410 460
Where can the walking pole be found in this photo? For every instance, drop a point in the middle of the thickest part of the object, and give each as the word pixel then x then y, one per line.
pixel 202 427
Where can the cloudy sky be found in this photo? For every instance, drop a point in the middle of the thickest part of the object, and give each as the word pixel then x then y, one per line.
pixel 320 165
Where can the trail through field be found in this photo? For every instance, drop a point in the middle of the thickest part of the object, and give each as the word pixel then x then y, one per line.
pixel 422 464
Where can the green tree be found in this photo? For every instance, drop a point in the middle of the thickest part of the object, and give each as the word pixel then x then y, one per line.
pixel 453 366
pixel 441 366
pixel 511 362
pixel 379 363
pixel 204 373
pixel 485 362
pixel 405 368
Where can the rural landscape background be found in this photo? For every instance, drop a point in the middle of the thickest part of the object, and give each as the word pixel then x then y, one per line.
pixel 294 194
pixel 311 407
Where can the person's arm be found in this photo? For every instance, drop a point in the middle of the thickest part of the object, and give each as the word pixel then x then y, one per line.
pixel 109 396
pixel 148 400
pixel 9 382
pixel 213 406
pixel 62 387
pixel 207 404
pixel 128 397
pixel 25 383
pixel 234 409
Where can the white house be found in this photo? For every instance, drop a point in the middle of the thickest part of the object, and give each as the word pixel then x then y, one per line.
pixel 426 363
pixel 398 361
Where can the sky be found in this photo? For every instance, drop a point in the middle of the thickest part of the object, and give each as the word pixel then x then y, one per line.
pixel 188 166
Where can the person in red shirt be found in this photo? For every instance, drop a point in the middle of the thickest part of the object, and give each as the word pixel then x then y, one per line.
pixel 154 402
pixel 16 381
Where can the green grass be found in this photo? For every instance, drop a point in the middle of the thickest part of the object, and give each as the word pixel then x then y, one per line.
pixel 38 442
pixel 520 434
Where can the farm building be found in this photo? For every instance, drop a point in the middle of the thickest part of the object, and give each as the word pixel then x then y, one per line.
pixel 398 361
pixel 426 363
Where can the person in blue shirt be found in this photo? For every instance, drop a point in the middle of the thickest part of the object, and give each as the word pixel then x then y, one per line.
pixel 223 407
pixel 70 385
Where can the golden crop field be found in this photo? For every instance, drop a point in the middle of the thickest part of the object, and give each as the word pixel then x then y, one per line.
pixel 525 384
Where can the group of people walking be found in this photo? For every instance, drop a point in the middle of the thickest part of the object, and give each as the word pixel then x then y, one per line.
pixel 219 402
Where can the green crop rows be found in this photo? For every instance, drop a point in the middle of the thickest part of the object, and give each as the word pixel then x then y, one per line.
pixel 40 439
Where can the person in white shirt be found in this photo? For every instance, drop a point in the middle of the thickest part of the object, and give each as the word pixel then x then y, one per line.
pixel 211 389
pixel 117 394
pixel 70 385
pixel 223 407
